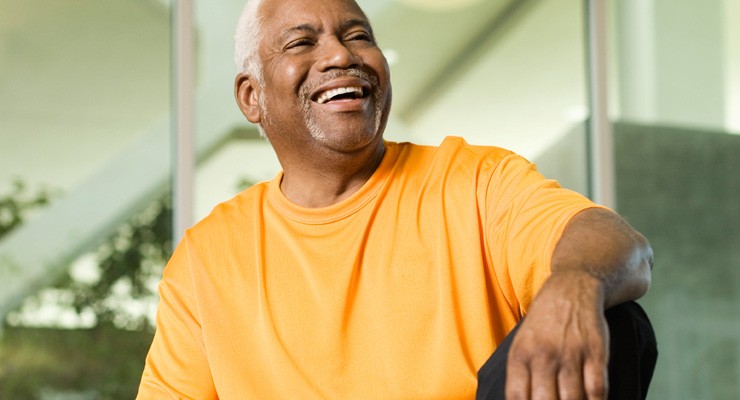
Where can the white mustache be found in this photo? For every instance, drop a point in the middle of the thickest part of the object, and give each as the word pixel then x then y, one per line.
pixel 307 89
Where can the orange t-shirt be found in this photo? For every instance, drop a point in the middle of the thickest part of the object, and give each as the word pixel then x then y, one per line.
pixel 401 291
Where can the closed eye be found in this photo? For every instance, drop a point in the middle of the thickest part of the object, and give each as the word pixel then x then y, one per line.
pixel 362 36
pixel 299 43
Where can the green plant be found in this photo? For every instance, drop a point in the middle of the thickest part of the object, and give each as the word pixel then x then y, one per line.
pixel 130 264
pixel 104 361
pixel 16 206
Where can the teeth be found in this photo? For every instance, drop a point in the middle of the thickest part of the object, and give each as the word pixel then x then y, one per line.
pixel 326 96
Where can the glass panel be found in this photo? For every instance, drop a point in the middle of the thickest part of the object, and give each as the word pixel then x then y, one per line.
pixel 84 182
pixel 231 154
pixel 509 74
pixel 675 124
pixel 500 73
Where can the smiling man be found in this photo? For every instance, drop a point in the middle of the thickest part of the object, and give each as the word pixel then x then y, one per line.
pixel 376 270
pixel 323 111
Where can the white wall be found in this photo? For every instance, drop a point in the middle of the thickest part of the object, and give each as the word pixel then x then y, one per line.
pixel 524 93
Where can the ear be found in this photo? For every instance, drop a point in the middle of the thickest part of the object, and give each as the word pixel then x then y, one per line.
pixel 247 91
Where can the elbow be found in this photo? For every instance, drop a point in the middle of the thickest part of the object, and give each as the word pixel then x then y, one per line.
pixel 647 268
pixel 634 282
pixel 644 261
pixel 642 285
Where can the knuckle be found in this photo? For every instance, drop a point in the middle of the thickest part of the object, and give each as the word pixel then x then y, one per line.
pixel 516 393
pixel 543 349
pixel 570 386
pixel 572 356
pixel 519 354
pixel 603 356
pixel 598 350
pixel 570 396
pixel 569 372
pixel 516 396
pixel 547 355
pixel 571 393
pixel 597 390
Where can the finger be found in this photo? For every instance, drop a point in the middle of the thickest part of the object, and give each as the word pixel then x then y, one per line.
pixel 595 366
pixel 544 378
pixel 517 380
pixel 595 377
pixel 570 381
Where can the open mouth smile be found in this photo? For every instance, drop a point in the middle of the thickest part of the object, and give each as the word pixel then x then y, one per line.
pixel 342 93
pixel 350 87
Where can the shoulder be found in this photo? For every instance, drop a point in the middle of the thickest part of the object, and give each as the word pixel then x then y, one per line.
pixel 456 168
pixel 231 215
pixel 456 148
pixel 457 154
pixel 451 145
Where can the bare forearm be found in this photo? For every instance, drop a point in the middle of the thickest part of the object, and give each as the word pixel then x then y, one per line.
pixel 601 244
pixel 561 348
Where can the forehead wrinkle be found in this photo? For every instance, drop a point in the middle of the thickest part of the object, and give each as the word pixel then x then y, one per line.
pixel 304 28
pixel 349 24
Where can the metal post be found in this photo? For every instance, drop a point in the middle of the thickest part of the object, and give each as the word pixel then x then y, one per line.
pixel 183 132
pixel 601 141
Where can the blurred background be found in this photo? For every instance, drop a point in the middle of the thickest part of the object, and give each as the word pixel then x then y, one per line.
pixel 90 136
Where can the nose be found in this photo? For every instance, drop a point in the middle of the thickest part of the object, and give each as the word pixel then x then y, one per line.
pixel 336 54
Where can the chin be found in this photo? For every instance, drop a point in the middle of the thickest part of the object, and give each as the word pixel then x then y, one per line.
pixel 346 140
pixel 348 135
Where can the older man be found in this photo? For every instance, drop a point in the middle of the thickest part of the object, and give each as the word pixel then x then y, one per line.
pixel 375 270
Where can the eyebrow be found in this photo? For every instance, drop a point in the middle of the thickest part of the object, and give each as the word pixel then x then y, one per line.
pixel 356 22
pixel 307 28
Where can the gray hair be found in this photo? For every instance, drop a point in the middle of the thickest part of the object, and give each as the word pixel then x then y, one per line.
pixel 247 39
pixel 246 49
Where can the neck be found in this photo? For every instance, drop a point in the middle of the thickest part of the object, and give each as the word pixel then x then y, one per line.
pixel 316 182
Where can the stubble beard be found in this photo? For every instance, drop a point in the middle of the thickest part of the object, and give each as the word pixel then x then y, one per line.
pixel 264 115
pixel 305 94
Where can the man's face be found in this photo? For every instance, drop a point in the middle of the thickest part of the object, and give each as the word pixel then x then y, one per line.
pixel 325 79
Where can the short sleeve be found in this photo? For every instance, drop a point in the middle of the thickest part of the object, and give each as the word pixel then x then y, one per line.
pixel 176 366
pixel 525 218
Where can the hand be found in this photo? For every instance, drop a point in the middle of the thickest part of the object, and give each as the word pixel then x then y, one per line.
pixel 561 349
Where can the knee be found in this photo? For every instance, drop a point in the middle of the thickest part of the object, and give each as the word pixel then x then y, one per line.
pixel 629 319
pixel 633 351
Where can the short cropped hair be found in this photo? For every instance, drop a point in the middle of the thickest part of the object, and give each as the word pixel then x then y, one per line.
pixel 247 39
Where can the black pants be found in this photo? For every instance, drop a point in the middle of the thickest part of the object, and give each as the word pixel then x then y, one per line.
pixel 633 353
